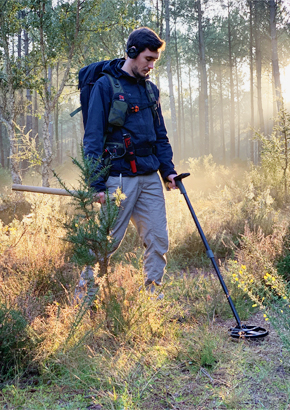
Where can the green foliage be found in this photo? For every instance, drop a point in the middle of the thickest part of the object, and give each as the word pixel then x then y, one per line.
pixel 201 350
pixel 259 279
pixel 283 260
pixel 275 157
pixel 131 351
pixel 89 228
pixel 15 341
pixel 28 149
pixel 283 266
pixel 203 296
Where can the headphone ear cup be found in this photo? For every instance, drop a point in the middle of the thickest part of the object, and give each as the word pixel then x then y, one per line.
pixel 132 52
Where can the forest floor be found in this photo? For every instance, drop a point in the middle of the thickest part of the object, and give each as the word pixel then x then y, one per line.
pixel 177 354
pixel 246 374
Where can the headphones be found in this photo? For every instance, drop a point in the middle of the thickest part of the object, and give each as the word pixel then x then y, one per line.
pixel 132 52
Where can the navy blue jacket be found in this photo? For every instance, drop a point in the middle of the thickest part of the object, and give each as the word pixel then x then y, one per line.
pixel 145 130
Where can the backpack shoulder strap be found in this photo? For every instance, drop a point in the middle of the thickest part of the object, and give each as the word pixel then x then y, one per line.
pixel 150 92
pixel 115 83
pixel 152 98
pixel 117 89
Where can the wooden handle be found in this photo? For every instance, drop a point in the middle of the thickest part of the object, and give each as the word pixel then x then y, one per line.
pixel 41 190
pixel 44 190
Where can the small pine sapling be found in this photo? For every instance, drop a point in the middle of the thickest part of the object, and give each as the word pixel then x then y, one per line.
pixel 89 228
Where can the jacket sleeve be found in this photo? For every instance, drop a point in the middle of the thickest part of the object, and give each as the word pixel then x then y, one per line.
pixel 98 112
pixel 163 147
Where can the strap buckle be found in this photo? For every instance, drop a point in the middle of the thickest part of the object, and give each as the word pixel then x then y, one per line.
pixel 135 108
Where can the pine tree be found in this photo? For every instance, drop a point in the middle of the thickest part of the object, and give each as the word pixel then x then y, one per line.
pixel 89 228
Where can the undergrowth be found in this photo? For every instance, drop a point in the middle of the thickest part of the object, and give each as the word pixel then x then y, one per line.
pixel 136 350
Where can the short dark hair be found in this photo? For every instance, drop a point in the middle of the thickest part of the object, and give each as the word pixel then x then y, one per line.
pixel 143 38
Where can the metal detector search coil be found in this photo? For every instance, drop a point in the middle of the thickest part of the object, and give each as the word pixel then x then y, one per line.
pixel 240 331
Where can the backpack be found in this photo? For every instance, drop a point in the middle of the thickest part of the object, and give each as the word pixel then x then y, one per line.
pixel 120 108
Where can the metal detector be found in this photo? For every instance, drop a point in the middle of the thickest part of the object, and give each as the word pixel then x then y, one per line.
pixel 239 331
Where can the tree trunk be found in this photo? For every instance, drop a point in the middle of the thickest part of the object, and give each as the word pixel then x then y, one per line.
pixel 222 125
pixel 19 52
pixel 2 160
pixel 56 117
pixel 251 136
pixel 178 94
pixel 178 87
pixel 191 112
pixel 34 132
pixel 183 131
pixel 201 123
pixel 50 127
pixel 29 112
pixel 9 119
pixel 47 148
pixel 275 60
pixel 232 91
pixel 238 112
pixel 28 92
pixel 170 84
pixel 159 18
pixel 35 117
pixel 203 82
pixel 259 75
pixel 211 135
pixel 62 143
pixel 274 100
pixel 49 101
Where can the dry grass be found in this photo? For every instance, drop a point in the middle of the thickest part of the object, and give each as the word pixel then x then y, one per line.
pixel 133 352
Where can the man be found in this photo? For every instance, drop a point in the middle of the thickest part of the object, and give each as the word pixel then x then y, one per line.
pixel 145 136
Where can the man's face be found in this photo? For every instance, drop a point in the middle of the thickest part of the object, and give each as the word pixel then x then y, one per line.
pixel 144 63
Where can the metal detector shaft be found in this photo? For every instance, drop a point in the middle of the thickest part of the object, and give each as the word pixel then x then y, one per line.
pixel 209 252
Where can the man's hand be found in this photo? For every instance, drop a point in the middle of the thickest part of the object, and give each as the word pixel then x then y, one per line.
pixel 171 184
pixel 100 197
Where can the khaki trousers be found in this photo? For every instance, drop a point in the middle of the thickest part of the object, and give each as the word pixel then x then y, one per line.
pixel 145 207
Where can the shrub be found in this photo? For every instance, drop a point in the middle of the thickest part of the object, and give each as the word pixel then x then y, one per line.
pixel 254 272
pixel 16 342
pixel 283 260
